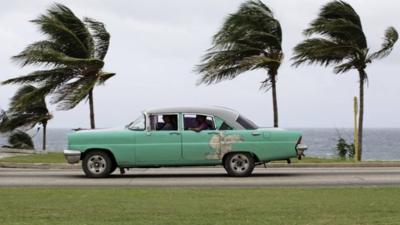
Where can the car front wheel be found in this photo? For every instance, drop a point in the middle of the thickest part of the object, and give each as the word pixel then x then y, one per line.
pixel 239 164
pixel 97 164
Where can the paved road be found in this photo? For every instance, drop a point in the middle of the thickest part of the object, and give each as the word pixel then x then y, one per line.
pixel 206 177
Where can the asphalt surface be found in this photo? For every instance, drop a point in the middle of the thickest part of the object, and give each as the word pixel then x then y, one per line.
pixel 205 177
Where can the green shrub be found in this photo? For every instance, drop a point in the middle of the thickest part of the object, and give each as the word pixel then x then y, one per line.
pixel 344 149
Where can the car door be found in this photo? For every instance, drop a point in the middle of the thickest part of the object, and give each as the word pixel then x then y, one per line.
pixel 157 146
pixel 199 147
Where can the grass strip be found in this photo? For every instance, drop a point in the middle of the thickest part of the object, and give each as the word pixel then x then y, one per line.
pixel 175 206
pixel 51 157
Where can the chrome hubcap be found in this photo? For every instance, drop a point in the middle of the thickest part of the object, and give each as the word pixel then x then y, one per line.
pixel 96 164
pixel 240 163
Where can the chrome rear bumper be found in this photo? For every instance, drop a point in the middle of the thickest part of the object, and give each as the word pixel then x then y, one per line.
pixel 72 156
pixel 300 148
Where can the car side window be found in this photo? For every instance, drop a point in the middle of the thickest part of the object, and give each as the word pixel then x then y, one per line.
pixel 198 122
pixel 163 122
pixel 221 125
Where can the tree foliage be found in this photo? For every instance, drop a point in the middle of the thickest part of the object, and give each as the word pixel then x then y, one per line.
pixel 27 108
pixel 249 39
pixel 72 52
pixel 336 37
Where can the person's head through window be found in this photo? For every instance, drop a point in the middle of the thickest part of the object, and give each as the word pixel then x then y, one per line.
pixel 201 123
pixel 168 123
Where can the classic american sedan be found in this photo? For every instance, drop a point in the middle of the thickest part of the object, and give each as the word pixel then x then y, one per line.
pixel 183 136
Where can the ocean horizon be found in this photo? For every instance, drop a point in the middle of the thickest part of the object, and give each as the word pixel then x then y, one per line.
pixel 378 144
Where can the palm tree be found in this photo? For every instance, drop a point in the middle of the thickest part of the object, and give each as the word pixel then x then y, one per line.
pixel 73 52
pixel 249 39
pixel 340 41
pixel 27 109
pixel 21 140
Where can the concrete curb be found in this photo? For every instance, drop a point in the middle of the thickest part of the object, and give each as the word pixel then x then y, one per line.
pixel 271 165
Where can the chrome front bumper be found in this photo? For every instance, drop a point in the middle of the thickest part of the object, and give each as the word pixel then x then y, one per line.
pixel 72 156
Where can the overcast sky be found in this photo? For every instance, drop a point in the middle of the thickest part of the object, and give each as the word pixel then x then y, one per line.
pixel 156 44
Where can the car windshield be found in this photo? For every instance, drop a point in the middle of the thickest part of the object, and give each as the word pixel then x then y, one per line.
pixel 246 123
pixel 138 124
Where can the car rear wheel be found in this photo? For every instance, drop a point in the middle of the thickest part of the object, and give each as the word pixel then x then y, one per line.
pixel 239 164
pixel 97 164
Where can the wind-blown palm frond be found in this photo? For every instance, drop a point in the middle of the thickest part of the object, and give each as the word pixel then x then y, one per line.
pixel 338 21
pixel 24 121
pixel 37 103
pixel 226 64
pixel 51 57
pixel 339 30
pixel 253 24
pixel 391 37
pixel 100 36
pixel 57 74
pixel 103 77
pixel 342 10
pixel 344 67
pixel 322 51
pixel 28 106
pixel 63 27
pixel 71 94
pixel 59 34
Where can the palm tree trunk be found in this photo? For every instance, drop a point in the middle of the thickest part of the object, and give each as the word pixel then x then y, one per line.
pixel 91 108
pixel 44 124
pixel 363 76
pixel 274 99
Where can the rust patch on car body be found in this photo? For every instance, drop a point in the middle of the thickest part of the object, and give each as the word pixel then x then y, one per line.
pixel 222 144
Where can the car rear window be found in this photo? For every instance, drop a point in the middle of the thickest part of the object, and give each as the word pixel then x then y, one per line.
pixel 246 123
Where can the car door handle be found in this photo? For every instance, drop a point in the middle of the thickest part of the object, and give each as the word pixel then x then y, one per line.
pixel 213 132
pixel 176 133
pixel 256 134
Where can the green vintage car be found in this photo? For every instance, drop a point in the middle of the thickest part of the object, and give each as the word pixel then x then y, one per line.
pixel 183 136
